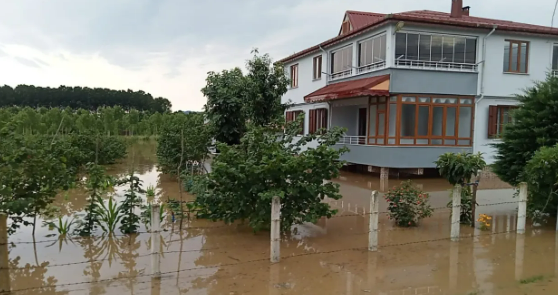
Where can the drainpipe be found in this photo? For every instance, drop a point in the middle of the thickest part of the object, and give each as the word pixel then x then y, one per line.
pixel 327 64
pixel 484 62
pixel 482 83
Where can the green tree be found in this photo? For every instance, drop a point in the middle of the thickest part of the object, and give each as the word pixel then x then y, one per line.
pixel 541 174
pixel 130 220
pixel 225 105
pixel 183 142
pixel 264 87
pixel 535 126
pixel 266 163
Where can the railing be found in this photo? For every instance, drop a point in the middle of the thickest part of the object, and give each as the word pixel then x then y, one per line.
pixel 372 67
pixel 342 74
pixel 352 140
pixel 436 65
pixel 554 73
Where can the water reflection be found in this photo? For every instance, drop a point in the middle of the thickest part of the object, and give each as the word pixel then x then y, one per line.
pixel 322 258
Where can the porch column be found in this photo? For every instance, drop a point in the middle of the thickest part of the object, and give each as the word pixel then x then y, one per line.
pixel 384 173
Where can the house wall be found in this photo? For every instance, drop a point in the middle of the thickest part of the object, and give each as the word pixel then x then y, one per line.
pixel 306 84
pixel 397 157
pixel 346 116
pixel 432 82
pixel 481 142
pixel 500 84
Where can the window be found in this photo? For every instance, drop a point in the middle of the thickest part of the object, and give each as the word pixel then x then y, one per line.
pixel 292 116
pixel 294 76
pixel 451 52
pixel 342 61
pixel 317 66
pixel 498 117
pixel 372 53
pixel 421 120
pixel 516 55
pixel 318 120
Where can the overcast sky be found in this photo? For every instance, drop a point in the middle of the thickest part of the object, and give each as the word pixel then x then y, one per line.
pixel 166 47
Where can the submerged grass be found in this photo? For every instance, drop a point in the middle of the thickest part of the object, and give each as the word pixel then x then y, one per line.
pixel 531 280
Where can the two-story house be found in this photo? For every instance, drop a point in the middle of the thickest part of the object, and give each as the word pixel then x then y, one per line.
pixel 411 86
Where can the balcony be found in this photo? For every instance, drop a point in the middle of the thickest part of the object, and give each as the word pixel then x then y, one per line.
pixel 341 75
pixel 436 65
pixel 554 73
pixel 372 67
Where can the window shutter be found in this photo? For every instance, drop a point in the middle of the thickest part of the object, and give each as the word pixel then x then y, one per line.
pixel 492 121
pixel 312 121
pixel 324 118
pixel 289 117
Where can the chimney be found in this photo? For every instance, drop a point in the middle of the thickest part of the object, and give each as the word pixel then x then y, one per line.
pixel 466 10
pixel 456 8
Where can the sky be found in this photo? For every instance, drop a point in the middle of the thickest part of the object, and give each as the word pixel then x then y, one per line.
pixel 166 47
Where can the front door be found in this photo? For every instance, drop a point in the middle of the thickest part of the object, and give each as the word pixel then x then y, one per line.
pixel 362 114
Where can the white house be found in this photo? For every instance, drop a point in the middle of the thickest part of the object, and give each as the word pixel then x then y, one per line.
pixel 411 86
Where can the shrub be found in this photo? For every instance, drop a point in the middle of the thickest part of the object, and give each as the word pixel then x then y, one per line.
pixel 541 174
pixel 407 204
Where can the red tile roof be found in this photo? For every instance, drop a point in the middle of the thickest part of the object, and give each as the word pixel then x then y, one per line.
pixel 354 88
pixel 360 19
pixel 368 21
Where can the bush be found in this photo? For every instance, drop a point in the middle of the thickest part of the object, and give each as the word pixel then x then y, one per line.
pixel 541 174
pixel 407 204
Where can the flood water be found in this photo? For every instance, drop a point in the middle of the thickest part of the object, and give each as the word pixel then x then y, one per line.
pixel 329 257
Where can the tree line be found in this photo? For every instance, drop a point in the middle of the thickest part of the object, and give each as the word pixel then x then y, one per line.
pixel 108 121
pixel 81 98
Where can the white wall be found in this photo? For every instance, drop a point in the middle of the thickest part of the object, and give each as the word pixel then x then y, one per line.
pixel 481 142
pixel 500 84
pixel 346 117
pixel 306 84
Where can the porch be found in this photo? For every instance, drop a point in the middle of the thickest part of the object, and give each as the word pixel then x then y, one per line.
pixel 400 130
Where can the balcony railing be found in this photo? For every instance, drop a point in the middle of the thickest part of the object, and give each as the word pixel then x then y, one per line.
pixel 372 67
pixel 554 73
pixel 436 65
pixel 342 74
pixel 352 140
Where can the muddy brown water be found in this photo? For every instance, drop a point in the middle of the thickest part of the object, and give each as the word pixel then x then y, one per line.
pixel 329 257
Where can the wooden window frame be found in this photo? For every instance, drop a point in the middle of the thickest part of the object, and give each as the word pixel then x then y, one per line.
pixel 318 120
pixel 378 101
pixel 519 43
pixel 399 103
pixel 495 116
pixel 294 76
pixel 317 68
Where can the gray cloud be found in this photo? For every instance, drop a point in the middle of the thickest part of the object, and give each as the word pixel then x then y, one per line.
pixel 27 62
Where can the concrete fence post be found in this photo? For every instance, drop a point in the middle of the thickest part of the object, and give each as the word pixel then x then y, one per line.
pixel 155 240
pixel 4 259
pixel 522 208
pixel 456 212
pixel 373 224
pixel 275 235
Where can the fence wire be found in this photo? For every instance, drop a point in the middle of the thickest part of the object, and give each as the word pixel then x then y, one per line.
pixel 244 262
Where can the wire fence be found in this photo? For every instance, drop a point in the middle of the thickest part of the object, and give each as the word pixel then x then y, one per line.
pixel 164 275
pixel 247 247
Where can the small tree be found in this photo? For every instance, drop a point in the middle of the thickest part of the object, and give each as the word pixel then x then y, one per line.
pixel 97 183
pixel 225 105
pixel 266 163
pixel 265 85
pixel 534 127
pixel 541 174
pixel 130 220
pixel 183 136
pixel 459 168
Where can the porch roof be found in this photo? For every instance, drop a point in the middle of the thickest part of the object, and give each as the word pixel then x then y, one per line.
pixel 374 86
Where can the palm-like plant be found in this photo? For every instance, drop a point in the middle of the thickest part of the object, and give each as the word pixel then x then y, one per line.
pixel 62 226
pixel 108 215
